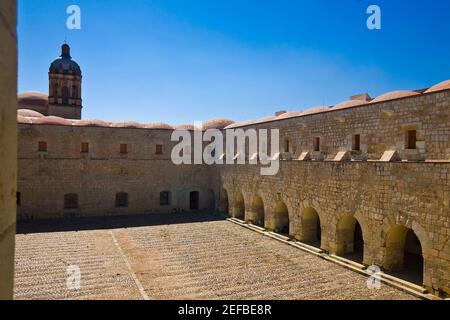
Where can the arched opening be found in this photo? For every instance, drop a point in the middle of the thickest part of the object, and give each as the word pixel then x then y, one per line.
pixel 311 229
pixel 223 203
pixel 65 94
pixel 74 92
pixel 194 200
pixel 71 201
pixel 349 239
pixel 256 213
pixel 164 198
pixel 404 256
pixel 281 218
pixel 239 206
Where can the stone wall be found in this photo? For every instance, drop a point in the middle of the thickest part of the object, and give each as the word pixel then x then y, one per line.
pixel 8 144
pixel 379 195
pixel 98 175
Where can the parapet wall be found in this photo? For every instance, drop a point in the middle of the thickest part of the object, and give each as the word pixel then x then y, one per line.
pixel 382 126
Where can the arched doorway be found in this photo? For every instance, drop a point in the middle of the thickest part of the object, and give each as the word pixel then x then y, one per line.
pixel 281 218
pixel 404 256
pixel 239 206
pixel 311 229
pixel 223 203
pixel 256 213
pixel 349 239
pixel 194 200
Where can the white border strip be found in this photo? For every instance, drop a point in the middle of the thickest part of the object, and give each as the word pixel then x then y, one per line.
pixel 127 263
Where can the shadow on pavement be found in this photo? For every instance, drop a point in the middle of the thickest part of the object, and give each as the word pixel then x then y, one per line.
pixel 113 222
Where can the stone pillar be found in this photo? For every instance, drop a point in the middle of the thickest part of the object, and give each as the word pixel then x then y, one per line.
pixel 8 144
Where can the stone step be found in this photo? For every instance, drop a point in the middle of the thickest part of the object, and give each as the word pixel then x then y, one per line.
pixel 348 262
pixel 404 283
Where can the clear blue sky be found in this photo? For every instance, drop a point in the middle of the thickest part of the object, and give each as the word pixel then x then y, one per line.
pixel 184 60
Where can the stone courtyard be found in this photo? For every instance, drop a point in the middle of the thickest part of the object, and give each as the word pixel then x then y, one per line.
pixel 177 256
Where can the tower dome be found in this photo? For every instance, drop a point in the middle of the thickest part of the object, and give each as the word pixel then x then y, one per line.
pixel 64 97
pixel 64 63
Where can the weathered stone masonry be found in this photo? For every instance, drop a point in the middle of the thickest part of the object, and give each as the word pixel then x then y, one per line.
pixel 379 195
pixel 368 179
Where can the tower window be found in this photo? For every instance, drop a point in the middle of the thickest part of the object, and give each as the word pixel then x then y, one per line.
pixel 317 144
pixel 74 92
pixel 84 147
pixel 123 148
pixel 42 146
pixel 71 201
pixel 65 94
pixel 18 198
pixel 356 142
pixel 164 198
pixel 411 139
pixel 55 90
pixel 121 199
pixel 159 149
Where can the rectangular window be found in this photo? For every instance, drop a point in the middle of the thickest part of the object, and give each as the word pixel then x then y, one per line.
pixel 164 198
pixel 317 144
pixel 121 200
pixel 123 148
pixel 159 149
pixel 42 146
pixel 286 145
pixel 412 139
pixel 71 201
pixel 84 147
pixel 18 198
pixel 356 142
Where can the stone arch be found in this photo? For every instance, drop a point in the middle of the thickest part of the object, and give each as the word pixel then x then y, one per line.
pixel 280 218
pixel 349 239
pixel 311 230
pixel 404 255
pixel 224 202
pixel 255 214
pixel 238 210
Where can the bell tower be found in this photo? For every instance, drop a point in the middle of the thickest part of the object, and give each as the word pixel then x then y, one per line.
pixel 64 96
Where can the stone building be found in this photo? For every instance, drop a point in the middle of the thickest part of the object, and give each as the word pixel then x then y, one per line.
pixel 366 179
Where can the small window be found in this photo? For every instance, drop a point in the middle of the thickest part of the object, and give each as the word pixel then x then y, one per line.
pixel 55 90
pixel 42 146
pixel 74 92
pixel 18 198
pixel 84 147
pixel 317 144
pixel 164 198
pixel 356 142
pixel 159 149
pixel 123 148
pixel 411 139
pixel 71 201
pixel 122 199
pixel 286 145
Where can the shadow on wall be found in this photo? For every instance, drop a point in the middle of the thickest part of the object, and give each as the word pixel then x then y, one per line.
pixel 113 222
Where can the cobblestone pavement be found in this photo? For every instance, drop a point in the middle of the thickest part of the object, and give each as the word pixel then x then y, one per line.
pixel 186 259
